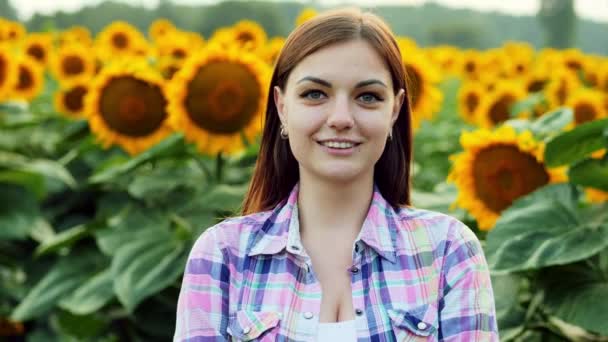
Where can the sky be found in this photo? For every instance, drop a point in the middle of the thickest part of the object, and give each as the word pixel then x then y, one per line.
pixel 596 10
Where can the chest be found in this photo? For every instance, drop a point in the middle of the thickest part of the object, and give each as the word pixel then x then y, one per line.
pixel 281 298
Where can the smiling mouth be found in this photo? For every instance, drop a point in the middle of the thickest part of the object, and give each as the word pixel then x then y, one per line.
pixel 338 145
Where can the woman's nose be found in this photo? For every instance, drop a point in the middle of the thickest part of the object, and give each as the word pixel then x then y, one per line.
pixel 340 116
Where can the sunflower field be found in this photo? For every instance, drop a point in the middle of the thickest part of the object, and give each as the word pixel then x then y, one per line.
pixel 118 149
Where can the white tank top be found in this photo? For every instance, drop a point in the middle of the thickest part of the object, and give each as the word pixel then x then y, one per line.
pixel 340 331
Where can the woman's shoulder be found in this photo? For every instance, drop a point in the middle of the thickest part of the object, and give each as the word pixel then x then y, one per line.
pixel 436 226
pixel 231 231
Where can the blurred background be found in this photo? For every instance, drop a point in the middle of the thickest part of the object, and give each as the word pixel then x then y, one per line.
pixel 127 128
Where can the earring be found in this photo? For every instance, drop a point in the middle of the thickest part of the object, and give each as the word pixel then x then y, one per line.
pixel 390 135
pixel 283 132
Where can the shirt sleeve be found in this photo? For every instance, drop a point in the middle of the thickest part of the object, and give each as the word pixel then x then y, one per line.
pixel 466 309
pixel 202 307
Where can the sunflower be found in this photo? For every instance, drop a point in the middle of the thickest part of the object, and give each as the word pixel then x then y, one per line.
pixel 496 168
pixel 127 106
pixel 472 63
pixel 495 107
pixel 38 46
pixel 70 100
pixel 121 38
pixel 448 58
pixel 175 46
pixel 249 35
pixel 536 80
pixel 423 79
pixel 562 84
pixel 575 60
pixel 73 63
pixel 11 31
pixel 217 95
pixel 518 50
pixel 587 105
pixel 305 15
pixel 159 28
pixel 469 97
pixel 76 35
pixel 30 79
pixel 8 72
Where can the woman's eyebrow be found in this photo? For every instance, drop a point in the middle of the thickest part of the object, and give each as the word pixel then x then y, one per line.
pixel 328 85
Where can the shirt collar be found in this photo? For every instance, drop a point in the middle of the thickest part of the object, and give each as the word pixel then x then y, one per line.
pixel 282 230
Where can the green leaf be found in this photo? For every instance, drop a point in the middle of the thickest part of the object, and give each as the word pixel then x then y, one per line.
pixel 576 295
pixel 165 176
pixel 47 168
pixel 223 197
pixel 90 296
pixel 19 212
pixel 552 122
pixel 34 182
pixel 79 327
pixel 527 104
pixel 544 228
pixel 65 239
pixel 132 223
pixel 590 172
pixel 65 276
pixel 576 144
pixel 146 266
pixel 169 147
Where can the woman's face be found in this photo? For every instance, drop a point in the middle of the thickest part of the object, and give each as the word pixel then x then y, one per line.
pixel 338 107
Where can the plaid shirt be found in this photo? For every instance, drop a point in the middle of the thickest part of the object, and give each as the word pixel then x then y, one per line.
pixel 417 275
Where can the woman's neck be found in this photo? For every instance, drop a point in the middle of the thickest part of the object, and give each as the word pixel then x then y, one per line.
pixel 327 209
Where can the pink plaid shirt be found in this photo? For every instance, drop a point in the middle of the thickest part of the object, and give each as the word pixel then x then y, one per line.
pixel 416 275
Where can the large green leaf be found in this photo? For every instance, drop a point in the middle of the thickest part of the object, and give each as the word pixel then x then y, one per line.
pixel 66 238
pixel 19 212
pixel 90 296
pixel 65 276
pixel 590 172
pixel 544 228
pixel 32 181
pixel 146 266
pixel 574 145
pixel 170 146
pixel 154 183
pixel 47 168
pixel 552 122
pixel 131 223
pixel 577 293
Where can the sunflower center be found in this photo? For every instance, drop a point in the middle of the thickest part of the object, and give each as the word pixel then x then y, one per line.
pixel 574 65
pixel 26 79
pixel 415 84
pixel 223 97
pixel 472 100
pixel 120 40
pixel 499 111
pixel 245 37
pixel 503 173
pixel 74 98
pixel 132 107
pixel 37 52
pixel 179 53
pixel 536 85
pixel 584 112
pixel 470 67
pixel 73 65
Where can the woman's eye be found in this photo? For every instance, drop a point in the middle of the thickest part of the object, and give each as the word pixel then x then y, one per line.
pixel 369 98
pixel 313 95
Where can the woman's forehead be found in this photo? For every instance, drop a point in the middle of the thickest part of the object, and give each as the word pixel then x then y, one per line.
pixel 347 62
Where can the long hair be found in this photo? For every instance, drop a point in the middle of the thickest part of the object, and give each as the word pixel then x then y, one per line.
pixel 276 170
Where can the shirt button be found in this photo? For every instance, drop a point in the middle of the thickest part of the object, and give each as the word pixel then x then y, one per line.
pixel 357 248
pixel 422 326
pixel 295 248
pixel 246 330
pixel 354 270
pixel 359 312
pixel 308 315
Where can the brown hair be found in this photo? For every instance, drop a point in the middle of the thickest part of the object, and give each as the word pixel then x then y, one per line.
pixel 276 170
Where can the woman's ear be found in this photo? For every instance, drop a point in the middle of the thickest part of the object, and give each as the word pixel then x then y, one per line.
pixel 279 102
pixel 399 98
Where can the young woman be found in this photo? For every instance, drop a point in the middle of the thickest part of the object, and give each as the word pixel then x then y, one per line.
pixel 328 247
